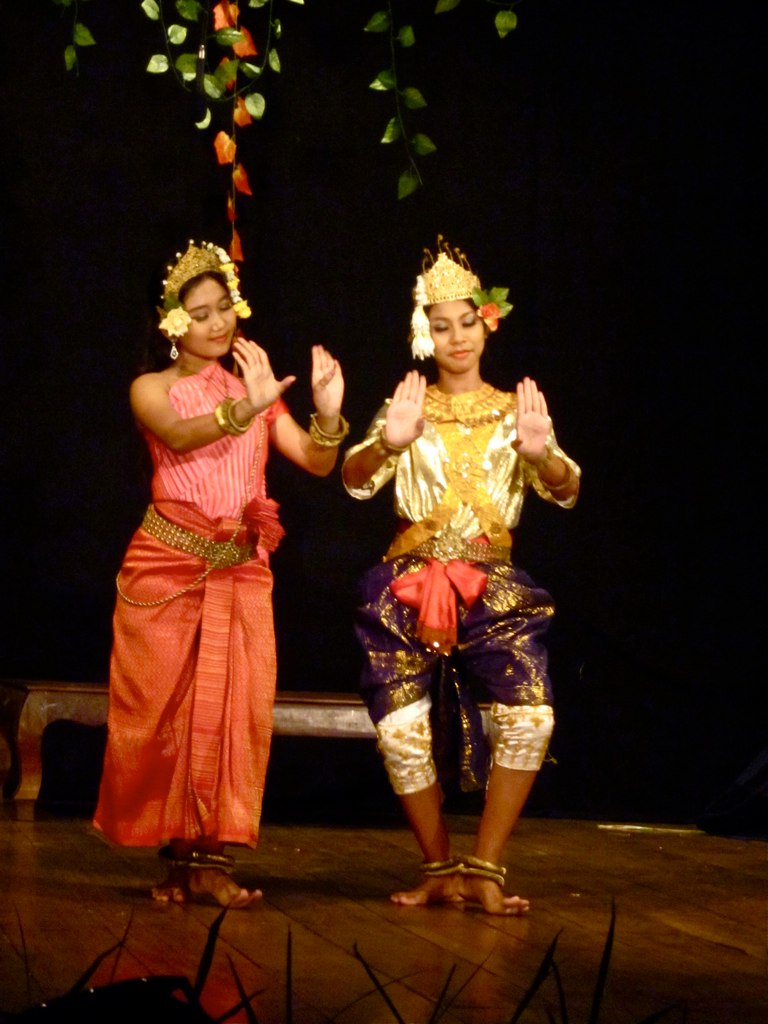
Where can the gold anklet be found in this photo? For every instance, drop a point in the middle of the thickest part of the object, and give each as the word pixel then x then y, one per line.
pixel 198 859
pixel 483 869
pixel 440 868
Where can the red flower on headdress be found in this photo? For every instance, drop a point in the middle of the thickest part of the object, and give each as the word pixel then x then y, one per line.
pixel 490 313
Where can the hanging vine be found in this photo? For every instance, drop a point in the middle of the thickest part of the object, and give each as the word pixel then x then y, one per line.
pixel 223 68
pixel 407 98
pixel 213 56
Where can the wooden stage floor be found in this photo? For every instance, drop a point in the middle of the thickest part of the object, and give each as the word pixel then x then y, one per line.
pixel 690 928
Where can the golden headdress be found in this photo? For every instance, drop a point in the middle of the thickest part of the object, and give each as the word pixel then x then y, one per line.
pixel 198 259
pixel 445 277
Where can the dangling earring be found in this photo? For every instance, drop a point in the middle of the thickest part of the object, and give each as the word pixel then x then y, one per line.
pixel 174 351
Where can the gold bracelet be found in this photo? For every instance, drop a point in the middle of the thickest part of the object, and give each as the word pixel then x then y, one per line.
pixel 390 449
pixel 238 428
pixel 223 414
pixel 324 440
pixel 220 412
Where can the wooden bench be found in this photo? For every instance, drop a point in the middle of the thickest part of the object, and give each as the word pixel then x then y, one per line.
pixel 27 706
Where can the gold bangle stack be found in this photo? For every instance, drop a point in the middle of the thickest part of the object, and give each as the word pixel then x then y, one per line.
pixel 225 420
pixel 324 440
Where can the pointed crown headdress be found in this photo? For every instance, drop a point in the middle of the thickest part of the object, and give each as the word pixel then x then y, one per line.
pixel 445 277
pixel 198 259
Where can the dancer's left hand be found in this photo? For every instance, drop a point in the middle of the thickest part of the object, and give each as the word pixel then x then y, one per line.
pixel 533 421
pixel 327 383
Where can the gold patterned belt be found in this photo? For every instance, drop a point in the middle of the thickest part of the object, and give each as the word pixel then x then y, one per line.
pixel 219 554
pixel 449 546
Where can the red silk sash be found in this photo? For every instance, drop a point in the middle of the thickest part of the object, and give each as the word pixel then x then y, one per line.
pixel 433 591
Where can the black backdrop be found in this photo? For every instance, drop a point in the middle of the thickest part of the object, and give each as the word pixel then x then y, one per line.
pixel 602 161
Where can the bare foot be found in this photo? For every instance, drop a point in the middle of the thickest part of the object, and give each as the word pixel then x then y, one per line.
pixel 490 896
pixel 434 889
pixel 175 889
pixel 184 884
pixel 216 884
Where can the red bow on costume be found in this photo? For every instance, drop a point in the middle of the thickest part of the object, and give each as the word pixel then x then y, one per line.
pixel 261 518
pixel 432 590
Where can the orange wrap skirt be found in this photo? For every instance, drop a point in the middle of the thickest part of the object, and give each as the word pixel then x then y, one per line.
pixel 191 693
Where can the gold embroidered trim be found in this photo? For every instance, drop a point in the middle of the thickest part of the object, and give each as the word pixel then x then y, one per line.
pixel 473 408
pixel 449 547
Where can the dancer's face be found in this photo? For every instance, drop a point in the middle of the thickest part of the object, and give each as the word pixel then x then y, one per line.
pixel 459 336
pixel 210 334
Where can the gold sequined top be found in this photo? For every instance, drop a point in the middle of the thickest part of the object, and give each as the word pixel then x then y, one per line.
pixel 462 476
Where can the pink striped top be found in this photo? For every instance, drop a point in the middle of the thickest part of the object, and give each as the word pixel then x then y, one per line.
pixel 215 477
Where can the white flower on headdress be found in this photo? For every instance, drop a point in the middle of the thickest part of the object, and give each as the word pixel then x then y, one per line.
pixel 422 345
pixel 175 323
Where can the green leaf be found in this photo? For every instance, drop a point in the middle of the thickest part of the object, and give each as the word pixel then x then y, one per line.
pixel 495 295
pixel 176 34
pixel 255 105
pixel 297 1
pixel 413 98
pixel 405 36
pixel 446 5
pixel 392 132
pixel 190 10
pixel 423 144
pixel 407 182
pixel 250 70
pixel 505 22
pixel 212 87
pixel 158 63
pixel 277 27
pixel 229 36
pixel 186 64
pixel 70 57
pixel 82 37
pixel 205 121
pixel 379 22
pixel 257 3
pixel 226 72
pixel 383 81
pixel 151 9
pixel 274 60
